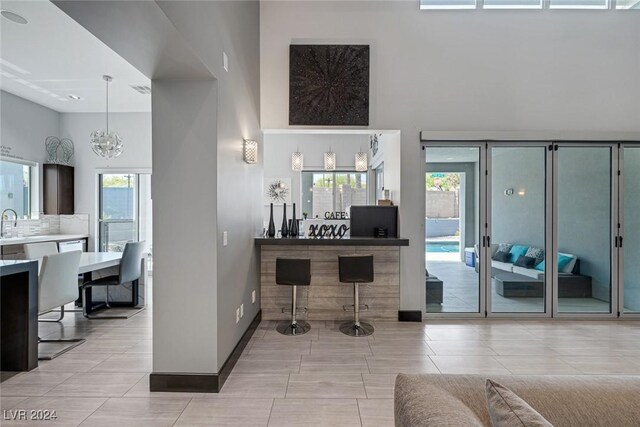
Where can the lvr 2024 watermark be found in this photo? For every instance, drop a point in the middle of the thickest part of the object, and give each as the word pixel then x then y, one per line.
pixel 28 415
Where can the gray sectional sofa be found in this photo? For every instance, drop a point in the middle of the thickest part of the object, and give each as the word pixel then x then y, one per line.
pixel 459 400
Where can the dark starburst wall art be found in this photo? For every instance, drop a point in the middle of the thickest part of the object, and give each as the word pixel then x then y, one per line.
pixel 329 85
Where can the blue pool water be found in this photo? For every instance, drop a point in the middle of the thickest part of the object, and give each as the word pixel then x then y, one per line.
pixel 442 247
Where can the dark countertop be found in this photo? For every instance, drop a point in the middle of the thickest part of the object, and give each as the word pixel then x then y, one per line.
pixel 351 241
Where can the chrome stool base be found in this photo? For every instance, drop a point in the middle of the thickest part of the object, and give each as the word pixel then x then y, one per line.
pixel 288 328
pixel 352 329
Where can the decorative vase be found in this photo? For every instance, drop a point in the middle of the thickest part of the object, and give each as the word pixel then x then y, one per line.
pixel 284 231
pixel 294 223
pixel 272 227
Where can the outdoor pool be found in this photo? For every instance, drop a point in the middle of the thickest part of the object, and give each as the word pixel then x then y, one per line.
pixel 447 247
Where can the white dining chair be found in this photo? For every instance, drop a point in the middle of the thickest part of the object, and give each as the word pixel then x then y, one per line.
pixel 57 286
pixel 38 251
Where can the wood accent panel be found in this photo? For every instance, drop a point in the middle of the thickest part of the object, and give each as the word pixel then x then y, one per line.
pixel 325 297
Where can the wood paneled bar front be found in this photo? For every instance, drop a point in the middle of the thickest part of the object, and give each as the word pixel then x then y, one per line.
pixel 326 296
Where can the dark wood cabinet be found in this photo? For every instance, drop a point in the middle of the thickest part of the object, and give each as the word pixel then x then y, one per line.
pixel 58 189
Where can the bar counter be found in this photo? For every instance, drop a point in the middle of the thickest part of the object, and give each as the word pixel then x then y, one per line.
pixel 326 296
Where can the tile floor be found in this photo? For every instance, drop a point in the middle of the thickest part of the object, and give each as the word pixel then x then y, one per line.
pixel 322 378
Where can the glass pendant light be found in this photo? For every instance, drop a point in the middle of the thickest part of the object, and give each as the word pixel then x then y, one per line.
pixel 103 142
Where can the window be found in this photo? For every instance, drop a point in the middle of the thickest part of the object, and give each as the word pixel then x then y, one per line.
pixel 628 4
pixel 118 211
pixel 332 192
pixel 530 4
pixel 16 187
pixel 579 4
pixel 513 4
pixel 447 4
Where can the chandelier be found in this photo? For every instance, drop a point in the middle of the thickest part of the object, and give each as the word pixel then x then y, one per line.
pixel 104 143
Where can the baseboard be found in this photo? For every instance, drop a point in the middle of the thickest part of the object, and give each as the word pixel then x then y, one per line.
pixel 231 361
pixel 184 382
pixel 410 316
pixel 203 383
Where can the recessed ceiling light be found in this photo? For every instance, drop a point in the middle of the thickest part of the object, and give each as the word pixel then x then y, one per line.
pixel 12 16
pixel 75 97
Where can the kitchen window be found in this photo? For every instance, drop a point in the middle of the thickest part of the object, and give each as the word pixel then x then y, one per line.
pixel 16 187
pixel 332 191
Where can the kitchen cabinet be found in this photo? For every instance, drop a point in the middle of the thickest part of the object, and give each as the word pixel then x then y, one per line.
pixel 58 191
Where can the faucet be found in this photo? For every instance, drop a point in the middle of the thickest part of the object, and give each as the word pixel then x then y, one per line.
pixel 15 221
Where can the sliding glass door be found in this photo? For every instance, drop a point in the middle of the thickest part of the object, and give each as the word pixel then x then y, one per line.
pixel 454 210
pixel 532 229
pixel 584 202
pixel 519 191
pixel 118 221
pixel 629 240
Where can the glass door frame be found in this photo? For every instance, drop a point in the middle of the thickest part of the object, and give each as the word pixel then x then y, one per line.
pixel 102 223
pixel 482 220
pixel 548 228
pixel 614 261
pixel 620 248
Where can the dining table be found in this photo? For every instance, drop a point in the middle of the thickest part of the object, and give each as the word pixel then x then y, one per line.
pixel 19 311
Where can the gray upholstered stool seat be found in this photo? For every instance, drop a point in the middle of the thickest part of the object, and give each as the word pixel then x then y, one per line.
pixel 293 272
pixel 356 269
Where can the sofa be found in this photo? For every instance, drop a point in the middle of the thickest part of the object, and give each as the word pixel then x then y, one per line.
pixel 516 281
pixel 459 400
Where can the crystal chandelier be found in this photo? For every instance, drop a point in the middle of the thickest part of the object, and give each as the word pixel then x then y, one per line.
pixel 104 143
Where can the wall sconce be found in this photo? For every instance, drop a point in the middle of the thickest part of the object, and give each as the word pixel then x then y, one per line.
pixel 297 161
pixel 250 151
pixel 361 162
pixel 330 161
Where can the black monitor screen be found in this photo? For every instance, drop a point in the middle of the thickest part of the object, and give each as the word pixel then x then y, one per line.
pixel 365 220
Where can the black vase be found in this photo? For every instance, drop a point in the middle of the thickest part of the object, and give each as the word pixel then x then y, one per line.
pixel 294 223
pixel 284 231
pixel 272 227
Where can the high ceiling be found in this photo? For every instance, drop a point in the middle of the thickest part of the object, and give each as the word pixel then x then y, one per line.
pixel 52 57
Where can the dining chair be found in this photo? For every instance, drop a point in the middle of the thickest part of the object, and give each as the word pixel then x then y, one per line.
pixel 39 250
pixel 57 286
pixel 129 271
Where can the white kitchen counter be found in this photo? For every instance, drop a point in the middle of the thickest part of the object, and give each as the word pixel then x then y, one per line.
pixel 41 238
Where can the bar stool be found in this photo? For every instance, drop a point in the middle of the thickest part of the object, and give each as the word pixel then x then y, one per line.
pixel 356 269
pixel 293 272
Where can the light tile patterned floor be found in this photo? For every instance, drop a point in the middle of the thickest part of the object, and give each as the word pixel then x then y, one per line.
pixel 322 378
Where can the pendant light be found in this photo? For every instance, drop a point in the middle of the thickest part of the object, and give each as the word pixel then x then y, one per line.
pixel 361 162
pixel 104 143
pixel 297 161
pixel 330 160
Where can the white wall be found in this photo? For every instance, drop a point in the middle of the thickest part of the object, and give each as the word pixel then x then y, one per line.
pixel 212 28
pixel 463 71
pixel 184 222
pixel 135 130
pixel 24 125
